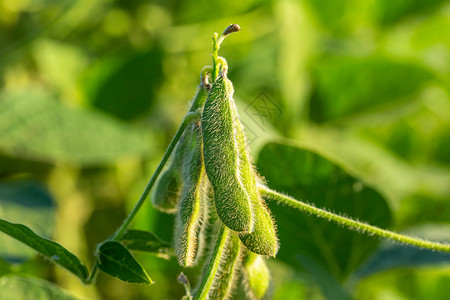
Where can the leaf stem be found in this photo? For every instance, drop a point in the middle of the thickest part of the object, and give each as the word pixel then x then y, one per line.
pixel 188 118
pixel 213 264
pixel 272 195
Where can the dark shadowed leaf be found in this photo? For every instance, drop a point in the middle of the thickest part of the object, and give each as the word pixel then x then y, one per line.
pixel 391 256
pixel 397 256
pixel 310 177
pixel 34 126
pixel 117 261
pixel 15 287
pixel 125 85
pixel 139 240
pixel 53 251
pixel 330 287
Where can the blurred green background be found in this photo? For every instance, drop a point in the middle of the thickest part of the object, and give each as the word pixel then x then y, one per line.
pixel 91 93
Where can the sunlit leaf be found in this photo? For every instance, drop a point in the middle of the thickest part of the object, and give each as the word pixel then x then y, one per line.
pixel 53 251
pixel 117 261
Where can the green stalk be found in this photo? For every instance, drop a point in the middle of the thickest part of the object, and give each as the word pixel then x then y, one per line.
pixel 217 41
pixel 272 195
pixel 213 265
pixel 189 117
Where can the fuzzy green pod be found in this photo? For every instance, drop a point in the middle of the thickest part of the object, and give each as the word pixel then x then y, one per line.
pixel 166 194
pixel 256 276
pixel 227 275
pixel 191 210
pixel 201 94
pixel 221 156
pixel 263 240
pixel 168 187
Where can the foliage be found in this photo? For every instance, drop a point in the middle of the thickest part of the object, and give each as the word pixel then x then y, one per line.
pixel 353 118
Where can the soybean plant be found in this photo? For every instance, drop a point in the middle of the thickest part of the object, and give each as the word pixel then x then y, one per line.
pixel 211 185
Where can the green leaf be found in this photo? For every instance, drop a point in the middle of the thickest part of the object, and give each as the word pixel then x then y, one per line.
pixel 391 256
pixel 374 81
pixel 34 126
pixel 15 287
pixel 139 240
pixel 117 261
pixel 30 203
pixel 53 251
pixel 307 176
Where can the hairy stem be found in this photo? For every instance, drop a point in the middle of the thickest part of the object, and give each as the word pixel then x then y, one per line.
pixel 189 117
pixel 215 54
pixel 217 41
pixel 213 264
pixel 272 195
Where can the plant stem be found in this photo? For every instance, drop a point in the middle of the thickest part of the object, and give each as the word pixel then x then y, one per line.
pixel 93 273
pixel 272 195
pixel 215 54
pixel 213 265
pixel 217 41
pixel 188 118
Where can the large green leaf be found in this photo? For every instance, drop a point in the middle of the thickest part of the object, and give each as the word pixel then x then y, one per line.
pixel 146 241
pixel 14 287
pixel 117 261
pixel 310 177
pixel 53 251
pixel 34 126
pixel 29 203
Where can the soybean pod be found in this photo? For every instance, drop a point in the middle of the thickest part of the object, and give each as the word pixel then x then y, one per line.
pixel 263 240
pixel 221 156
pixel 225 280
pixel 257 279
pixel 168 187
pixel 191 210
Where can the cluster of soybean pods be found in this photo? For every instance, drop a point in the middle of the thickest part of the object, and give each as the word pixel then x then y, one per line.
pixel 212 187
